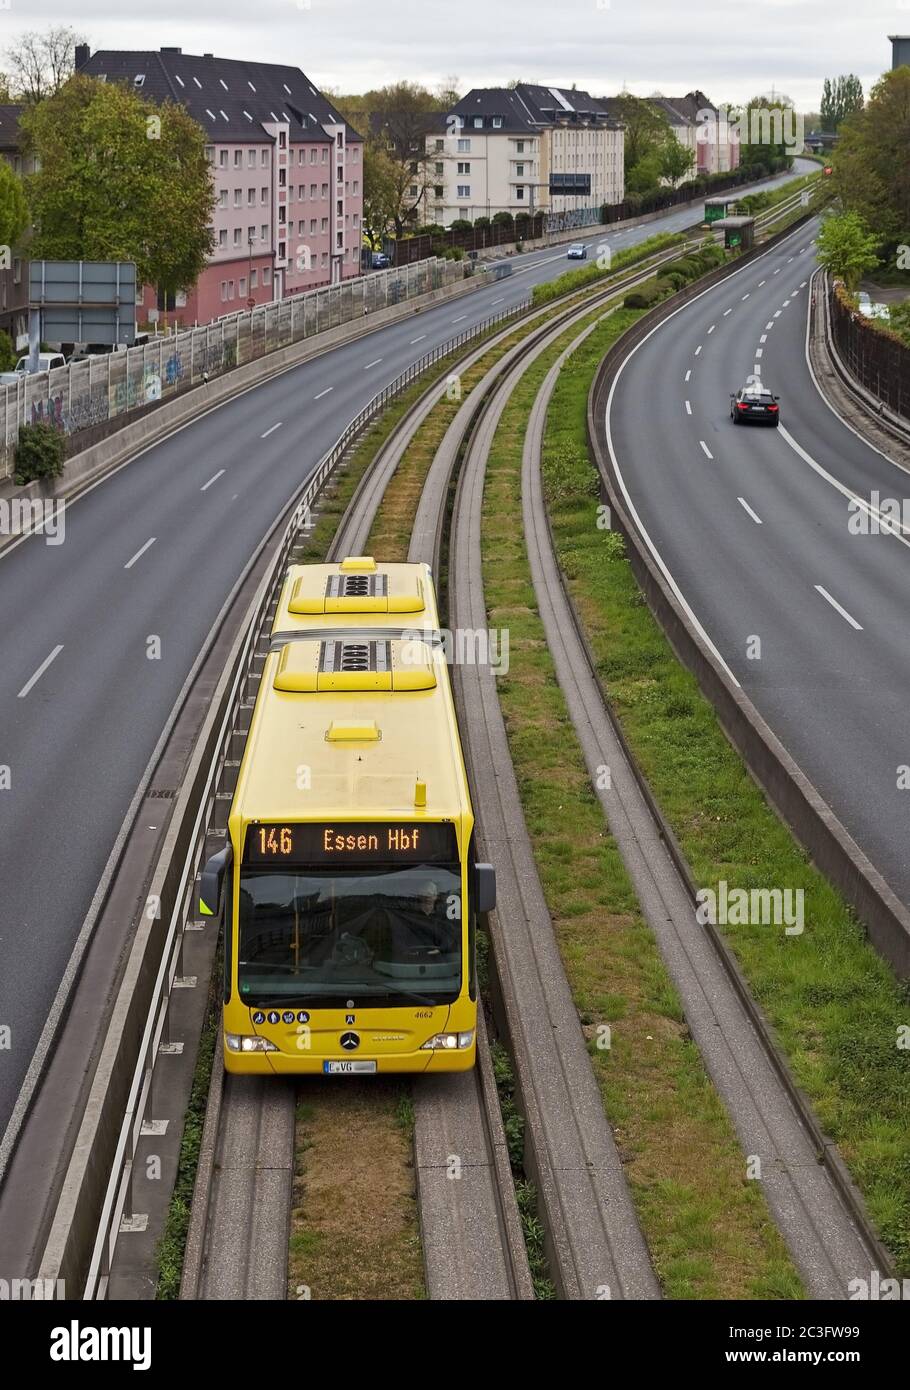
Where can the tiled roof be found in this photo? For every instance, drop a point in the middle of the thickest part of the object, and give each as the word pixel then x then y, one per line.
pixel 9 127
pixel 230 98
pixel 529 106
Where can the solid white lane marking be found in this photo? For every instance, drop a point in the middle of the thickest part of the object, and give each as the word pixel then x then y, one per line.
pixel 698 350
pixel 139 553
pixel 688 407
pixel 688 373
pixel 706 449
pixel 418 340
pixel 323 393
pixel 842 611
pixel 211 480
pixel 272 430
pixel 743 503
pixel 885 524
pixel 40 671
pixel 374 363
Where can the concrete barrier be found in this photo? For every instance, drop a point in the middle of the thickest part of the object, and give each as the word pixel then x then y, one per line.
pixel 796 800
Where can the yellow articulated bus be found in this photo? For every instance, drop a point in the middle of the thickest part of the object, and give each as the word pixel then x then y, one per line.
pixel 348 880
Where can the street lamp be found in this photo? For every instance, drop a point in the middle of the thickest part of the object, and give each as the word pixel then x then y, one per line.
pixel 251 301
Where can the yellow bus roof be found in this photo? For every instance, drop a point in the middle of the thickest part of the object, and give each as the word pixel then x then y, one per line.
pixel 351 716
pixel 358 589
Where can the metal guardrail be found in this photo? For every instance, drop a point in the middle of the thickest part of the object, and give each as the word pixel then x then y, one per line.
pixel 117 1211
pixel 103 387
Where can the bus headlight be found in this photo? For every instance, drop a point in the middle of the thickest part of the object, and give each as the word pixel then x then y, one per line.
pixel 448 1041
pixel 240 1042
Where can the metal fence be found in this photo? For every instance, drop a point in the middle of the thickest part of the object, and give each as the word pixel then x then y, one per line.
pixel 101 388
pixel 878 361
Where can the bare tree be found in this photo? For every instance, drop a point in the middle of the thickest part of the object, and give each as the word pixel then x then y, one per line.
pixel 40 63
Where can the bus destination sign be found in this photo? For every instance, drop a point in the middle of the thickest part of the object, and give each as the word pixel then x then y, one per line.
pixel 351 842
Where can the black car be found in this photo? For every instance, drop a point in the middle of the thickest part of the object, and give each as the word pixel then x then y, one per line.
pixel 754 405
pixel 380 261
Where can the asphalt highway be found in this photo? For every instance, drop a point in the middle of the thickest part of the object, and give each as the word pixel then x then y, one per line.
pixel 152 553
pixel 755 527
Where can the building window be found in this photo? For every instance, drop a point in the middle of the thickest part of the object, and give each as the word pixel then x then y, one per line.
pixel 238 159
pixel 238 236
pixel 300 154
pixel 222 237
pixel 230 289
pixel 266 274
pixel 254 278
pixel 464 147
pixel 339 139
pixel 301 192
pixel 438 191
pixel 356 186
pixel 520 194
pixel 325 224
pixel 302 228
pixel 439 146
pixel 282 178
pixel 356 219
pixel 464 167
pixel 325 258
pixel 264 232
pixel 519 146
pixel 519 170
pixel 325 190
pixel 312 226
pixel 282 215
pixel 282 139
pixel 222 198
pixel 339 241
pixel 325 156
pixel 413 191
pixel 282 249
pixel 356 153
pixel 223 291
pixel 251 159
pixel 238 197
pixel 478 122
pixel 313 156
pixel 242 287
pixel 464 190
pixel 312 190
pixel 497 122
pixel 264 159
pixel 251 197
pixel 339 207
pixel 339 173
pixel 210 154
pixel 250 234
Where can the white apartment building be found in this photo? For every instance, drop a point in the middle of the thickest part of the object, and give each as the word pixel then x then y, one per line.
pixel 522 150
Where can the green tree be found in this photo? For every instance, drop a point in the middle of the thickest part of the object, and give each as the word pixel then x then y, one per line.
pixel 828 107
pixel 846 247
pixel 770 131
pixel 675 161
pixel 899 321
pixel 380 193
pixel 646 130
pixel 396 121
pixel 120 179
pixel 13 208
pixel 872 171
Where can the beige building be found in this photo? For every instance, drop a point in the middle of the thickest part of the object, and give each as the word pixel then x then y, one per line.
pixel 523 150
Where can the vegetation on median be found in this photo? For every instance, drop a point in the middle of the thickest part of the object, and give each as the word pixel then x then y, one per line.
pixel 836 1007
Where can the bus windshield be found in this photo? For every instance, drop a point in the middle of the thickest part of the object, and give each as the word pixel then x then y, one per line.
pixel 389 935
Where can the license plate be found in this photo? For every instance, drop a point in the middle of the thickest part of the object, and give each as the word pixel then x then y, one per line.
pixel 348 1068
pixel 758 407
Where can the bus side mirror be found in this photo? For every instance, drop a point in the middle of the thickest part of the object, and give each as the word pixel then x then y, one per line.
pixel 211 883
pixel 484 887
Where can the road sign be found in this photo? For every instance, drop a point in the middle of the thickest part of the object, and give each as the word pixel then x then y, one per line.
pixel 84 301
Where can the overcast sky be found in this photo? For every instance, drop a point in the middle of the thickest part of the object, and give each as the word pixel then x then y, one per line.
pixel 730 49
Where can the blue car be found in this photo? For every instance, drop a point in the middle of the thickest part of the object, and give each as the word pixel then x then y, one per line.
pixel 380 261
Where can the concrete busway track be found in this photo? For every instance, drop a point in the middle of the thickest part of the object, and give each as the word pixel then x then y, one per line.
pixel 812 1199
pixel 470 1229
pixel 751 526
pixel 79 737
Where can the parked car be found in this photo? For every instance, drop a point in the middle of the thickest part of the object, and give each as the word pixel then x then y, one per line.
pixel 380 261
pixel 577 252
pixel 754 404
pixel 47 361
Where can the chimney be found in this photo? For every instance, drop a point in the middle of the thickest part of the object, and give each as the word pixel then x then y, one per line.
pixel 172 50
pixel 82 54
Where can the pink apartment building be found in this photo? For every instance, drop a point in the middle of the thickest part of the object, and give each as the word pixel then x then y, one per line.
pixel 286 168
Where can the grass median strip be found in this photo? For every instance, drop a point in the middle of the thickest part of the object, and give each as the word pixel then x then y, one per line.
pixel 708 1228
pixel 837 1009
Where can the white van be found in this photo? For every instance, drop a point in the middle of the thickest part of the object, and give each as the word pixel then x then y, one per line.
pixel 47 361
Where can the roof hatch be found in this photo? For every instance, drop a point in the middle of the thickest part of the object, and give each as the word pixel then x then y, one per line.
pixel 310 667
pixel 362 590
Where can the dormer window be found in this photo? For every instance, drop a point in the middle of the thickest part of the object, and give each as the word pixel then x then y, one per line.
pixel 139 79
pixel 478 122
pixel 497 122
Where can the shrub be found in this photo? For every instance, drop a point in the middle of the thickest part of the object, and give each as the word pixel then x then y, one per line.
pixel 502 219
pixel 39 453
pixel 481 224
pixel 642 298
pixel 461 224
pixel 664 286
